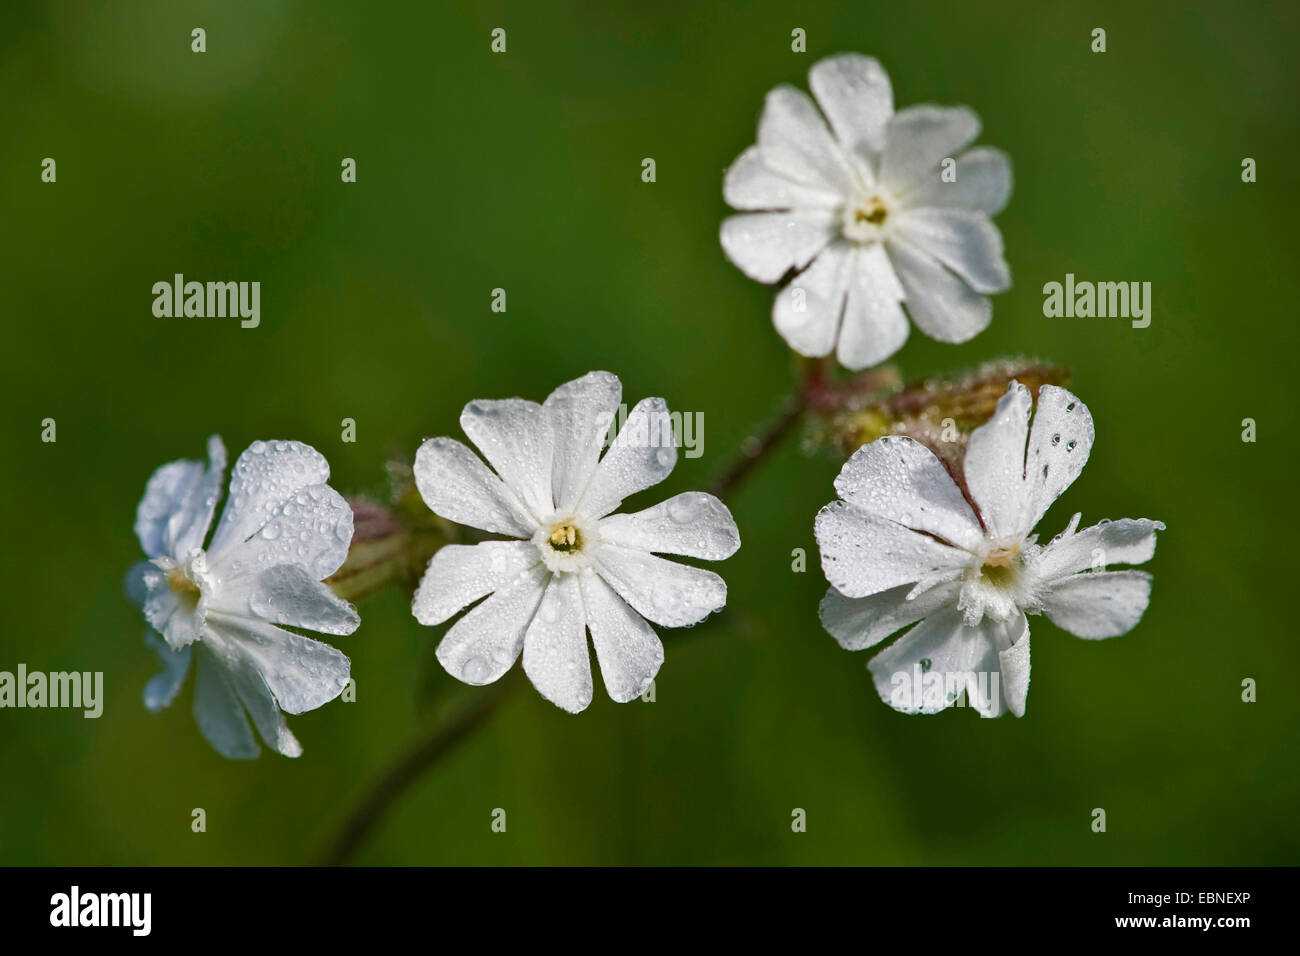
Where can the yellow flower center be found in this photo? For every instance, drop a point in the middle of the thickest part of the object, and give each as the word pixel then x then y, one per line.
pixel 565 538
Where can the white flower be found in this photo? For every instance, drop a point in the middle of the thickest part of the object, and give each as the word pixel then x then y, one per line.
pixel 573 566
pixel 863 201
pixel 283 530
pixel 906 545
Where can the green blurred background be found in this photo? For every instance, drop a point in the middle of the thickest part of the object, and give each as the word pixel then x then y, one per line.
pixel 522 171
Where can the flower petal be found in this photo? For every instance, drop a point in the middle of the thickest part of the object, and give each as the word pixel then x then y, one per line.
pixel 750 184
pixel 1126 541
pixel 300 673
pixel 927 669
pixel 642 455
pixel 313 529
pixel 964 240
pixel 515 437
pixel 1098 604
pixel 581 414
pixel 455 484
pixel 285 594
pixel 807 311
pixel 460 574
pixel 940 304
pixel 246 680
pixel 794 141
pixel 855 94
pixel 918 138
pixel 995 464
pixel 1014 664
pixel 864 554
pixel 874 325
pixel 664 592
pixel 555 648
pixel 178 503
pixel 767 245
pixel 267 474
pixel 162 688
pixel 901 480
pixel 693 524
pixel 859 623
pixel 627 648
pixel 217 710
pixel 983 182
pixel 1059 445
pixel 483 644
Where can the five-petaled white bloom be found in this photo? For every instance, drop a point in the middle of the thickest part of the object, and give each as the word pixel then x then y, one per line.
pixel 867 203
pixel 282 531
pixel 906 545
pixel 574 567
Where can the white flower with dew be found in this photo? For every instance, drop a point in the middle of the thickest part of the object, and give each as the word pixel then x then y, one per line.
pixel 283 530
pixel 906 545
pixel 854 197
pixel 572 567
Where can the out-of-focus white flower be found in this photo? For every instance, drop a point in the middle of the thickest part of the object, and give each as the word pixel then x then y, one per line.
pixel 573 567
pixel 906 545
pixel 863 209
pixel 283 531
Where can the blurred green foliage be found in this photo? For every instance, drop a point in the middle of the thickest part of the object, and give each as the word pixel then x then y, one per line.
pixel 522 171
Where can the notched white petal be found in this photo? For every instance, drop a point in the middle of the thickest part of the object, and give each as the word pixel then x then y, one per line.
pixel 1125 541
pixel 940 302
pixel 245 679
pixel 918 138
pixel 581 413
pixel 459 574
pixel 1059 444
pixel 794 140
pixel 265 476
pixel 312 529
pixel 1096 605
pixel 874 325
pixel 855 94
pixel 483 644
pixel 995 464
pixel 693 524
pixel 515 437
pixel 455 484
pixel 286 594
pixel 662 591
pixel 927 669
pixel 178 504
pixel 864 554
pixel 983 182
pixel 807 311
pixel 751 185
pixel 964 240
pixel 555 647
pixel 642 455
pixel 859 623
pixel 767 245
pixel 217 709
pixel 302 674
pixel 901 480
pixel 629 651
